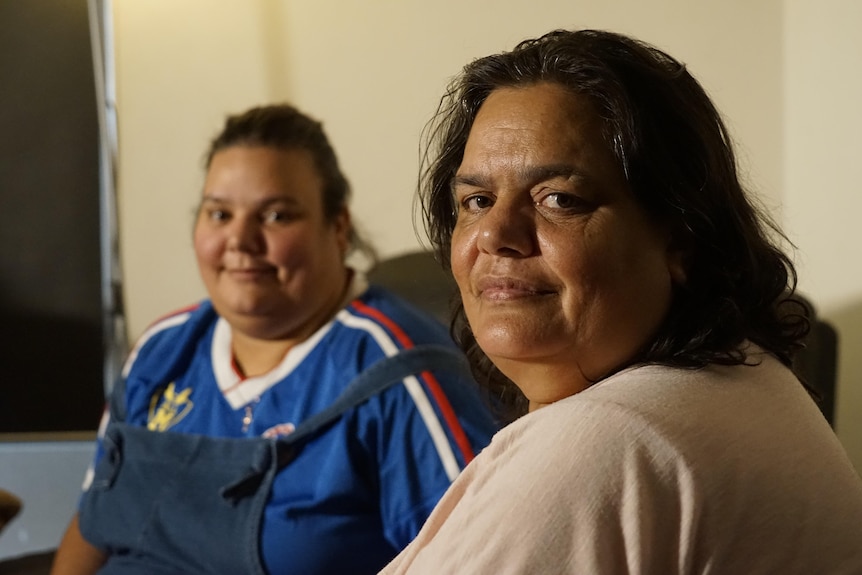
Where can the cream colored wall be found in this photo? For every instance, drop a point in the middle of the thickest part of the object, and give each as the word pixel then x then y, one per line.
pixel 822 193
pixel 179 66
pixel 373 71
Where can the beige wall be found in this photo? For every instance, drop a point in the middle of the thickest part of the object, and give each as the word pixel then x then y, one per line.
pixel 373 71
pixel 822 193
pixel 179 67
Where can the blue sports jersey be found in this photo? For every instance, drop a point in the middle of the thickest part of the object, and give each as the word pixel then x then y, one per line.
pixel 359 492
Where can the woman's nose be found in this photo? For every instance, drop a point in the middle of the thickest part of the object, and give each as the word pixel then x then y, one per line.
pixel 245 235
pixel 508 229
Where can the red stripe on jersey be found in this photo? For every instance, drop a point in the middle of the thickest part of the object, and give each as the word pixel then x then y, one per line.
pixel 169 315
pixel 396 330
pixel 449 415
pixel 234 366
pixel 430 381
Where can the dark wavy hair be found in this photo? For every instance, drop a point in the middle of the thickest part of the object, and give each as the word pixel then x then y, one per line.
pixel 677 156
pixel 284 127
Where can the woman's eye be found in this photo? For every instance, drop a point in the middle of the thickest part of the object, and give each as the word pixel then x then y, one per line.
pixel 476 203
pixel 271 217
pixel 276 216
pixel 216 215
pixel 561 201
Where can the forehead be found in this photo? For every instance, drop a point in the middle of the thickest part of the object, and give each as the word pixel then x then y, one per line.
pixel 545 108
pixel 539 125
pixel 546 99
pixel 263 158
pixel 261 170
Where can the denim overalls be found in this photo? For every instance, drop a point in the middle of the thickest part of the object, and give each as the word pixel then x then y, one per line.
pixel 173 503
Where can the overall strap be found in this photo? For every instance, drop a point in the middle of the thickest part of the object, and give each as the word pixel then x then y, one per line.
pixel 369 383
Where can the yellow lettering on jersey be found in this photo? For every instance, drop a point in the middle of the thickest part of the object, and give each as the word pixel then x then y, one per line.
pixel 173 407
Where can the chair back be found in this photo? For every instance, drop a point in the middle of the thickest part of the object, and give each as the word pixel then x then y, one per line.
pixel 417 277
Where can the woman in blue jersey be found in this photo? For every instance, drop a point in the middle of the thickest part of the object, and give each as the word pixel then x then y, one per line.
pixel 286 327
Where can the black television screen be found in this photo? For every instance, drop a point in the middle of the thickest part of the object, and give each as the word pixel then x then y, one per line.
pixel 51 328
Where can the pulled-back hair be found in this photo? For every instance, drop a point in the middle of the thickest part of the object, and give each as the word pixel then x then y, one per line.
pixel 677 157
pixel 284 127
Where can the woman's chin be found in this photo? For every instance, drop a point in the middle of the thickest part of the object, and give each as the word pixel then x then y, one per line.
pixel 245 306
pixel 514 342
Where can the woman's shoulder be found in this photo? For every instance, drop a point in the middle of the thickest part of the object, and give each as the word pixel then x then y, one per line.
pixel 670 413
pixel 172 332
pixel 583 428
pixel 193 314
pixel 385 316
pixel 671 422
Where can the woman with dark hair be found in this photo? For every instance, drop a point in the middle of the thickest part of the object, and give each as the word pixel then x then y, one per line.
pixel 214 455
pixel 627 303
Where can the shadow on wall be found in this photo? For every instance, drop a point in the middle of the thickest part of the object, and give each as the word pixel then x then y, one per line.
pixel 848 413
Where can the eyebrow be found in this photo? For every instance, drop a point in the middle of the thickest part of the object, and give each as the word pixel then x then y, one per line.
pixel 263 203
pixel 527 176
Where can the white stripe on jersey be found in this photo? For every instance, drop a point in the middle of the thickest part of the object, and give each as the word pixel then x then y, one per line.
pixel 389 347
pixel 417 392
pixel 150 332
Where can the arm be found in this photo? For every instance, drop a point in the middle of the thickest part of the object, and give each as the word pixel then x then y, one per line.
pixel 75 556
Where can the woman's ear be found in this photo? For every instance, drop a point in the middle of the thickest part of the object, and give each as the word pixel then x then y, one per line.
pixel 678 257
pixel 677 268
pixel 343 230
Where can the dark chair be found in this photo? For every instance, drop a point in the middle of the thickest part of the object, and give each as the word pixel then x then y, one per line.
pixel 817 363
pixel 31 564
pixel 418 278
pixel 10 506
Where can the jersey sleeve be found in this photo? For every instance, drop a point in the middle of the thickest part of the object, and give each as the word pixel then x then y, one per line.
pixel 112 411
pixel 158 351
pixel 432 425
pixel 424 430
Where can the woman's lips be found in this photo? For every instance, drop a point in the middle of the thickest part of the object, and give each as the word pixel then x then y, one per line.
pixel 251 273
pixel 507 288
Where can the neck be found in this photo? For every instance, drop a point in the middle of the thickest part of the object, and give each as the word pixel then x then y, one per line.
pixel 543 382
pixel 258 351
pixel 258 356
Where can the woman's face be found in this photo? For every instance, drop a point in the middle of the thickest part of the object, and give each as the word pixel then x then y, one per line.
pixel 271 262
pixel 562 274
